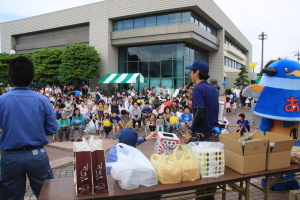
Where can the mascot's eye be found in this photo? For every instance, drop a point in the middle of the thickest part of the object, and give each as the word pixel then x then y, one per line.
pixel 286 70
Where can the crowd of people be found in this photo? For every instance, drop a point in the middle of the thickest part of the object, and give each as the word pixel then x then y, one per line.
pixel 147 108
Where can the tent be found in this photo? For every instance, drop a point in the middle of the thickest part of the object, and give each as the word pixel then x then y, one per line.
pixel 123 78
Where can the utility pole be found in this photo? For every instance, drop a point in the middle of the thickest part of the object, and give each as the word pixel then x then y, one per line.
pixel 297 54
pixel 262 37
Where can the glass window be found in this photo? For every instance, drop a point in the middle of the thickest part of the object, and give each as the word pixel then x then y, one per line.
pixel 128 24
pixel 143 53
pixel 162 20
pixel 122 54
pixel 209 27
pixel 154 53
pixel 178 51
pixel 154 82
pixel 133 54
pixel 197 55
pixel 133 67
pixel 122 67
pixel 150 21
pixel 192 55
pixel 202 23
pixel 168 82
pixel 187 54
pixel 177 68
pixel 175 18
pixel 166 68
pixel 196 18
pixel 119 25
pixel 154 69
pixel 115 26
pixel 143 68
pixel 186 17
pixel 139 23
pixel 178 82
pixel 166 52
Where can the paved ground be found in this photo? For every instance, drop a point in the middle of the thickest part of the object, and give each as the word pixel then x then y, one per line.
pixel 61 157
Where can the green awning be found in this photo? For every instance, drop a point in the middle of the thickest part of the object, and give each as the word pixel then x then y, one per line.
pixel 123 78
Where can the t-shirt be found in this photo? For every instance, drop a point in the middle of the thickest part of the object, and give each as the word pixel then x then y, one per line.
pixel 152 121
pixel 243 123
pixel 206 96
pixel 186 117
pixel 115 120
pixel 147 110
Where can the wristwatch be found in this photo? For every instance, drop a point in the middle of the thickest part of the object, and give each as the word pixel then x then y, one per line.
pixel 144 137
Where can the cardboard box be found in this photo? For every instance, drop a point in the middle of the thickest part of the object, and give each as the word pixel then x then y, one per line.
pixel 165 140
pixel 294 195
pixel 247 159
pixel 279 149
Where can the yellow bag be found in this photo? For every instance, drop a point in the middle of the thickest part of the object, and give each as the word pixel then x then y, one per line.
pixel 188 162
pixel 167 168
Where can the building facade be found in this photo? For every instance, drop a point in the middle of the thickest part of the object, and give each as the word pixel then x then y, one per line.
pixel 154 38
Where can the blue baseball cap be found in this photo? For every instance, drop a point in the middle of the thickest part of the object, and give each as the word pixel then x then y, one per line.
pixel 128 136
pixel 199 65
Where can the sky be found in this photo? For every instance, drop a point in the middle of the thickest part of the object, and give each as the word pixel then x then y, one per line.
pixel 278 19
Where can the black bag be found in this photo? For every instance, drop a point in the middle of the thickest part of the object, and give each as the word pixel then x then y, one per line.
pixel 64 128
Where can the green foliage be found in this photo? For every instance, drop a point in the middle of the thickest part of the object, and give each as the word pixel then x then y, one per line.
pixel 27 55
pixel 78 62
pixel 228 91
pixel 242 80
pixel 46 62
pixel 4 60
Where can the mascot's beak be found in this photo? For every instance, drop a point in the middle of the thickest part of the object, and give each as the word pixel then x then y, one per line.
pixel 271 71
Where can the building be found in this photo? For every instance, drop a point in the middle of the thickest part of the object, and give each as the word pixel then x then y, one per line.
pixel 152 37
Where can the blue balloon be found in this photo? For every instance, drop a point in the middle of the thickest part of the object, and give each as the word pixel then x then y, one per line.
pixel 224 83
pixel 140 90
pixel 231 96
pixel 77 93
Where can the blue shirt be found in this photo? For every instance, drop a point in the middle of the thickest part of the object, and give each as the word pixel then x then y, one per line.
pixel 186 117
pixel 26 117
pixel 77 120
pixel 147 110
pixel 243 124
pixel 115 120
pixel 206 96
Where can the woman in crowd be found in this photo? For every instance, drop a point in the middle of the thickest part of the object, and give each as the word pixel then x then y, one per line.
pixel 77 123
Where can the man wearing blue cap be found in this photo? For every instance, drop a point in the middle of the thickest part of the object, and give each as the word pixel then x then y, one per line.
pixel 205 111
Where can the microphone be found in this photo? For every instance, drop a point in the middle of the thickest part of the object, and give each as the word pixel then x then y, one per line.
pixel 180 93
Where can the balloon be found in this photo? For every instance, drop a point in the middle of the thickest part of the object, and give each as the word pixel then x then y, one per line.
pixel 231 96
pixel 140 90
pixel 77 93
pixel 173 120
pixel 252 65
pixel 106 123
pixel 169 103
pixel 224 83
pixel 138 101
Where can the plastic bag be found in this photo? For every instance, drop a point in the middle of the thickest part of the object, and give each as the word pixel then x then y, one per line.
pixel 91 127
pixel 188 162
pixel 211 157
pixel 132 168
pixel 167 168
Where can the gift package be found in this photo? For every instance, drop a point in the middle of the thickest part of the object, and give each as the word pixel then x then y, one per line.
pixel 165 140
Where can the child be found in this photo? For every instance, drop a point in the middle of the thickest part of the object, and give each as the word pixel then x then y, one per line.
pixel 234 106
pixel 126 122
pixel 228 106
pixel 160 121
pixel 178 115
pixel 186 120
pixel 107 129
pixel 115 121
pixel 152 122
pixel 242 125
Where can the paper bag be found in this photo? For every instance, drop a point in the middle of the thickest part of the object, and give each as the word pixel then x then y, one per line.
pixel 100 184
pixel 82 168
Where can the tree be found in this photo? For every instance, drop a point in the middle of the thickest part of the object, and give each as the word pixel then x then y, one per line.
pixel 78 62
pixel 242 80
pixel 4 60
pixel 46 62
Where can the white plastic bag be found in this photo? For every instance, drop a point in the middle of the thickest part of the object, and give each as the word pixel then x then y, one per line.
pixel 91 127
pixel 132 168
